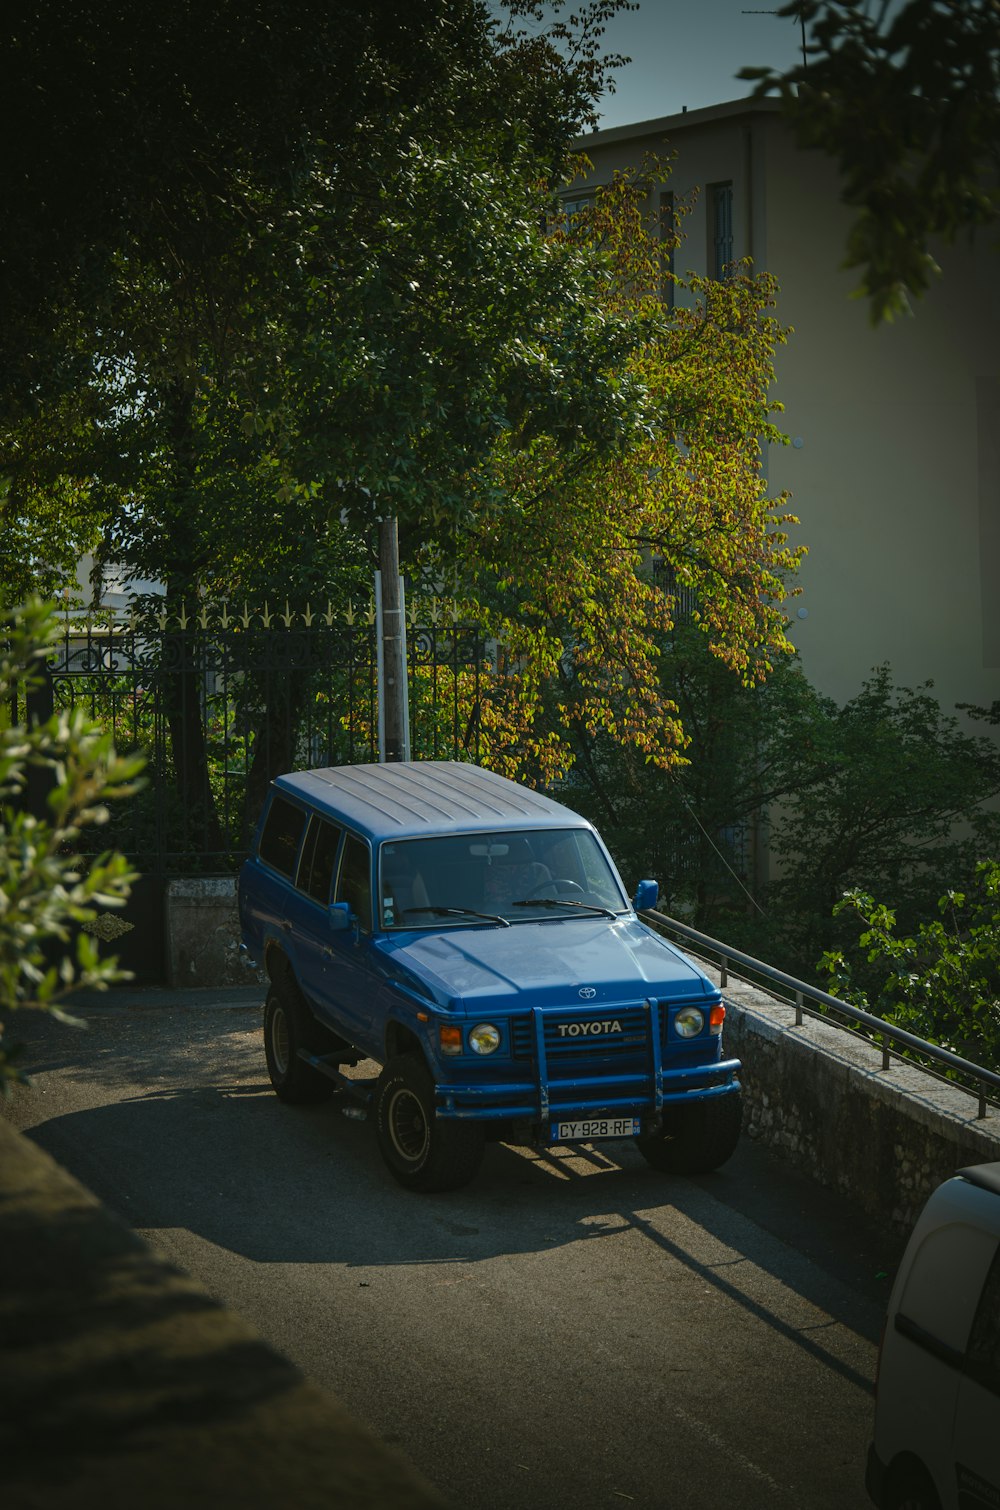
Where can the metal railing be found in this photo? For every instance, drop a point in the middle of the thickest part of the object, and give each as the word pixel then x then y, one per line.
pixel 890 1037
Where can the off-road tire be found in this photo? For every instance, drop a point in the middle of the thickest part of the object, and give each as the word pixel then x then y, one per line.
pixel 289 1026
pixel 422 1151
pixel 697 1138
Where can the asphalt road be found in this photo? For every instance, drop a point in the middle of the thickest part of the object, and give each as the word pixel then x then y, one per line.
pixel 574 1331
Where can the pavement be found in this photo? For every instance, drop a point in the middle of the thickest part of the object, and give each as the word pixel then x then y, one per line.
pixel 124 1383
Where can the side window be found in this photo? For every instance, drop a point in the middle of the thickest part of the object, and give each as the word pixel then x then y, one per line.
pixel 983 1357
pixel 319 855
pixel 946 1278
pixel 354 884
pixel 279 841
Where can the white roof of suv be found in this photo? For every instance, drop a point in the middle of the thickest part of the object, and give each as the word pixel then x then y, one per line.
pixel 417 797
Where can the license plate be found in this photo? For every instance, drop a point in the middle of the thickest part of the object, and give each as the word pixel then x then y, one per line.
pixel 599 1127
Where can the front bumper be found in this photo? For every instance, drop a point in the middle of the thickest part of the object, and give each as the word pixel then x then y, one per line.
pixel 586 1097
pixel 557 1070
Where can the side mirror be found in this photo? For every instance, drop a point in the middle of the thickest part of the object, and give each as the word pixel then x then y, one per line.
pixel 341 916
pixel 647 894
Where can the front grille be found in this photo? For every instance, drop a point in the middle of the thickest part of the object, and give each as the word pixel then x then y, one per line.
pixel 567 1050
pixel 522 1038
pixel 573 1040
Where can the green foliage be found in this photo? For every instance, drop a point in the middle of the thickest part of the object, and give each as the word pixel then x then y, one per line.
pixel 304 286
pixel 695 827
pixel 886 794
pixel 942 982
pixel 148 127
pixel 558 555
pixel 399 325
pixel 47 892
pixel 903 796
pixel 906 98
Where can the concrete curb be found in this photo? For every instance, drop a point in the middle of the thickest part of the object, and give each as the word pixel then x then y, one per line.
pixel 123 1383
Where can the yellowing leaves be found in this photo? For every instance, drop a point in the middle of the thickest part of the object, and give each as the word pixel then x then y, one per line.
pixel 564 574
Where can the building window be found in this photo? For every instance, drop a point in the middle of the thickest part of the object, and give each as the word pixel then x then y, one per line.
pixel 573 207
pixel 667 246
pixel 684 601
pixel 720 246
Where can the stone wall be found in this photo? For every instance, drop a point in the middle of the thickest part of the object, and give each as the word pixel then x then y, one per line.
pixel 883 1137
pixel 203 933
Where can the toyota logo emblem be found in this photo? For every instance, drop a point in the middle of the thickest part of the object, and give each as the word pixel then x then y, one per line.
pixel 587 992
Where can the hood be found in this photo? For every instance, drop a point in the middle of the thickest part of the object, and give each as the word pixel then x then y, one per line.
pixel 544 964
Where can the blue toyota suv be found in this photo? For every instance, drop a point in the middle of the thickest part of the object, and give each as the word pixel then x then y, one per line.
pixel 474 938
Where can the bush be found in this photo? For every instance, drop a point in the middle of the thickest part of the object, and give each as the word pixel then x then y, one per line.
pixel 48 892
pixel 943 981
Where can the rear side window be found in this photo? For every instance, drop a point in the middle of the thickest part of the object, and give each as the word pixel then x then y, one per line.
pixel 354 885
pixel 983 1361
pixel 279 842
pixel 319 855
pixel 945 1281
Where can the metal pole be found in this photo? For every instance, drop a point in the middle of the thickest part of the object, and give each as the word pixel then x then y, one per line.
pixel 392 632
pixel 379 668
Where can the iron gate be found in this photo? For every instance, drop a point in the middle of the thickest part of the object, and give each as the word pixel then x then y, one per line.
pixel 221 702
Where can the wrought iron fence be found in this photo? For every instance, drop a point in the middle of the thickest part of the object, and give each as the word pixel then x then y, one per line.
pixel 221 701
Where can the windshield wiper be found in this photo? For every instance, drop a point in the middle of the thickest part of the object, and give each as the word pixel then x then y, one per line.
pixel 565 902
pixel 456 912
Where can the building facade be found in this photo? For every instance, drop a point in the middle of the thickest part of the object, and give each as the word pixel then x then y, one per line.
pixel 894 462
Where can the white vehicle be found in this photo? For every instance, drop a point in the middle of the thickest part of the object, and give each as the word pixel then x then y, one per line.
pixel 937 1414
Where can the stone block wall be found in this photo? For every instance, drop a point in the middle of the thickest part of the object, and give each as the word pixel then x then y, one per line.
pixel 203 933
pixel 883 1137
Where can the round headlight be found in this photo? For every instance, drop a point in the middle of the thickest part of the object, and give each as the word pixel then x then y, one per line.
pixel 689 1022
pixel 484 1038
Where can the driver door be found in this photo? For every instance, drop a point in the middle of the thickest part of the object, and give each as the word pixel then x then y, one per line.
pixel 351 986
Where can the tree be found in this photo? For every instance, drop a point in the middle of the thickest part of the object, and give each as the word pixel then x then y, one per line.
pixel 47 892
pixel 192 248
pixel 883 796
pixel 906 97
pixel 695 826
pixel 148 127
pixel 316 292
pixel 280 334
pixel 904 796
pixel 399 326
pixel 558 550
pixel 942 982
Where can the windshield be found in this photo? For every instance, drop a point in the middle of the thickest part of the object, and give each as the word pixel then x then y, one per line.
pixel 465 879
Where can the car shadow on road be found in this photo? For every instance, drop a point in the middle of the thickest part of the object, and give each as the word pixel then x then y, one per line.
pixel 301 1185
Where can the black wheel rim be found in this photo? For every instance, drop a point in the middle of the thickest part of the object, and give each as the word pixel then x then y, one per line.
pixel 280 1049
pixel 409 1128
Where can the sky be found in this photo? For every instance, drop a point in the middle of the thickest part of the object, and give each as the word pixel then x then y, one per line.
pixel 687 52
